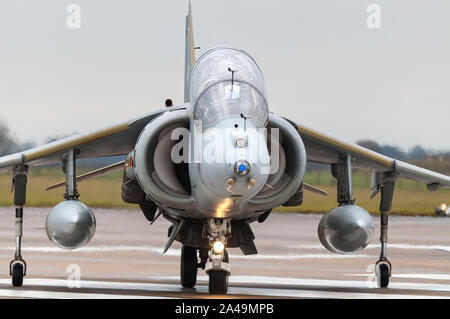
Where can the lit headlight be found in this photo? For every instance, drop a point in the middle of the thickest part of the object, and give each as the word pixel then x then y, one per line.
pixel 218 247
pixel 443 210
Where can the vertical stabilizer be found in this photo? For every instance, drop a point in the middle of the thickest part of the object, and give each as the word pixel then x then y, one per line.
pixel 189 53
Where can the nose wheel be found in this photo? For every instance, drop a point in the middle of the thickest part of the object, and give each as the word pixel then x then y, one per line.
pixel 218 282
pixel 218 272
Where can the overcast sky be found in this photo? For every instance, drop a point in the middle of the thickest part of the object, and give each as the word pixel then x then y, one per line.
pixel 323 66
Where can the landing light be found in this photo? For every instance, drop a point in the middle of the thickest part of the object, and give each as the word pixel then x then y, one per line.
pixel 218 247
pixel 443 210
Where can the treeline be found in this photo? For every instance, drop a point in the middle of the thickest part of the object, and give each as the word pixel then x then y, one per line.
pixel 417 153
pixel 9 144
pixel 437 161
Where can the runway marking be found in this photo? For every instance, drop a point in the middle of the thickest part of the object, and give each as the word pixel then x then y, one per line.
pixel 410 246
pixel 90 249
pixel 322 283
pixel 177 252
pixel 412 276
pixel 62 283
pixel 377 246
pixel 423 276
pixel 341 283
pixel 325 294
pixel 301 256
pixel 93 284
pixel 288 256
pixel 280 291
pixel 21 293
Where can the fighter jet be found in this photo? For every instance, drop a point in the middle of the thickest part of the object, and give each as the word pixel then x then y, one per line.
pixel 212 166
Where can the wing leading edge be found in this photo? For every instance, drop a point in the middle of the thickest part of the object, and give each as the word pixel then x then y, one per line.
pixel 322 148
pixel 118 139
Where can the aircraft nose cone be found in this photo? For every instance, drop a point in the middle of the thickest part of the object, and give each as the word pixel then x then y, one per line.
pixel 242 167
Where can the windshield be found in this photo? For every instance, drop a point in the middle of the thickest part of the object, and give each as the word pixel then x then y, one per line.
pixel 226 82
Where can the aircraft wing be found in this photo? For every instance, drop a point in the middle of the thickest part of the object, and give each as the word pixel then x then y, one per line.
pixel 322 148
pixel 118 139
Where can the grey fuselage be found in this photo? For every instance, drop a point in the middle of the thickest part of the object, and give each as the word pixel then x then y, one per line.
pixel 226 130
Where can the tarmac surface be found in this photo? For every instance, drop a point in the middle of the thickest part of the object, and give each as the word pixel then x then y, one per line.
pixel 124 260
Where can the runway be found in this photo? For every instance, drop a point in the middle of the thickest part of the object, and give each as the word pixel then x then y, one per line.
pixel 124 260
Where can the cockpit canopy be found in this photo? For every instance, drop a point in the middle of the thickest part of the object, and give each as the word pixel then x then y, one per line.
pixel 226 82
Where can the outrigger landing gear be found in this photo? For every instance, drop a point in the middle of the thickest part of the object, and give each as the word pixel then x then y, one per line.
pixel 18 266
pixel 217 265
pixel 383 268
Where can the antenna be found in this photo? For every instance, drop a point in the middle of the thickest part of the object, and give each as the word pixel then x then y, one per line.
pixel 232 77
pixel 245 121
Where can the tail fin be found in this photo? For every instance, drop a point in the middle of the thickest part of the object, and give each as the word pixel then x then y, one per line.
pixel 189 54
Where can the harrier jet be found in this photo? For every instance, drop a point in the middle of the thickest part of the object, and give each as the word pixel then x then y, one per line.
pixel 212 166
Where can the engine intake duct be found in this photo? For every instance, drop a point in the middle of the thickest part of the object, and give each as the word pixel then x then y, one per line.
pixel 283 185
pixel 153 167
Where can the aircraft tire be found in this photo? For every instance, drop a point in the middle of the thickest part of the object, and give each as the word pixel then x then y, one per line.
pixel 17 275
pixel 188 273
pixel 383 275
pixel 218 282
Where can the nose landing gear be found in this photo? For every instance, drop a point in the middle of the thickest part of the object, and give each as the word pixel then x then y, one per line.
pixel 218 269
pixel 218 266
pixel 213 259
